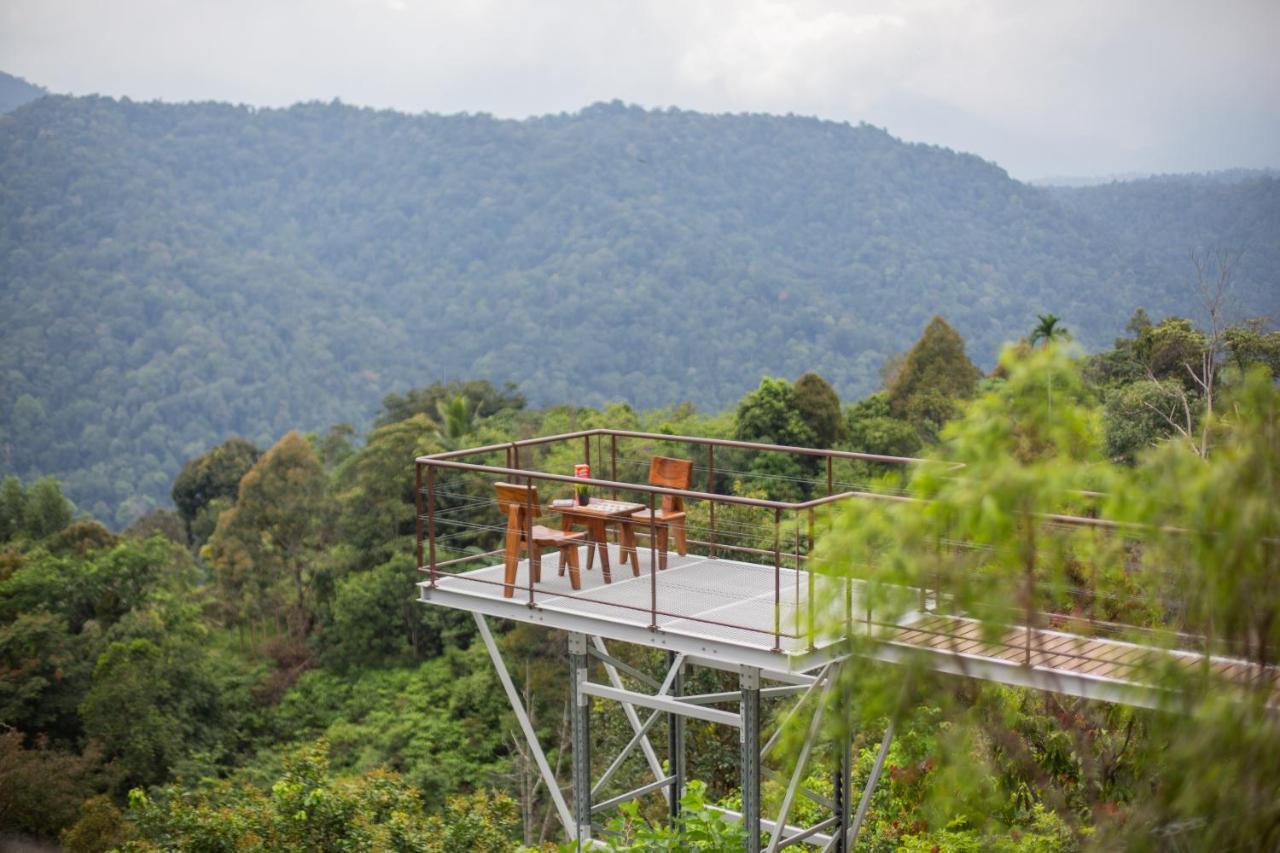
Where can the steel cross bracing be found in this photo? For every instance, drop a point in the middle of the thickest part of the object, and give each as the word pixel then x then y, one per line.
pixel 663 699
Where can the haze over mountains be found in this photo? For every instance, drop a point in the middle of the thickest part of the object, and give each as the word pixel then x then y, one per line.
pixel 171 274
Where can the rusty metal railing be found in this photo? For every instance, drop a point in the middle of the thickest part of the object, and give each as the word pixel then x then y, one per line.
pixel 429 468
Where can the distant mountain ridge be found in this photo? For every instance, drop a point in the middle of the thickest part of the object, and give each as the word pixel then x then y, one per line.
pixel 174 273
pixel 14 92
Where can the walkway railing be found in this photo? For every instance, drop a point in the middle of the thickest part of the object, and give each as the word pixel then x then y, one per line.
pixel 455 514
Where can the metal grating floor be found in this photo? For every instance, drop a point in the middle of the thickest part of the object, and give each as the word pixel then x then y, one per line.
pixel 709 598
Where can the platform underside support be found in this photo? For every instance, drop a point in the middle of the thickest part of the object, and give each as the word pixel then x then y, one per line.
pixel 647 700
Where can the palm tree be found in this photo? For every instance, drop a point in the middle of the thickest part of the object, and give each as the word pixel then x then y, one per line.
pixel 456 416
pixel 1048 330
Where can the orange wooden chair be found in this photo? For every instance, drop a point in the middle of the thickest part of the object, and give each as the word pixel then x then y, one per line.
pixel 514 502
pixel 670 517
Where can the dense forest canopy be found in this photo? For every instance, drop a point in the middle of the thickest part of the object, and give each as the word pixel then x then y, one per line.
pixel 253 671
pixel 173 274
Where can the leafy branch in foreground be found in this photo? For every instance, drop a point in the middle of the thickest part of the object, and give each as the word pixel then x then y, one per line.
pixel 1196 557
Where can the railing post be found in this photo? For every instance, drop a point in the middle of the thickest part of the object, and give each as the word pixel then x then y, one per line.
pixel 777 581
pixel 431 520
pixel 797 555
pixel 417 511
pixel 711 489
pixel 653 567
pixel 613 462
pixel 586 449
pixel 529 545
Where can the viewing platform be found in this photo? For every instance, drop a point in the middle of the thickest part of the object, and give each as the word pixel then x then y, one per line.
pixel 730 599
pixel 664 553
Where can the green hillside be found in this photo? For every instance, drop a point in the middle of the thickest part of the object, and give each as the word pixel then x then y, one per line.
pixel 14 92
pixel 174 274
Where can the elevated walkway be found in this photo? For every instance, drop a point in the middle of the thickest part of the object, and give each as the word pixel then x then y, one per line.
pixel 737 605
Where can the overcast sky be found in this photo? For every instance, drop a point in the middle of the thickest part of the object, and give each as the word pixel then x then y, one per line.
pixel 1080 87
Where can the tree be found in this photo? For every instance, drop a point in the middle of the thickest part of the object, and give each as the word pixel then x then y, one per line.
pixel 1137 416
pixel 872 429
pixel 375 619
pixel 1048 330
pixel 13 507
pixel 41 787
pixel 272 536
pixel 1194 554
pixel 770 415
pixel 455 416
pixel 820 409
pixel 1249 344
pixel 212 476
pixel 156 697
pixel 44 671
pixel 47 511
pixel 376 499
pixel 1213 273
pixel 482 398
pixel 934 374
pixel 310 808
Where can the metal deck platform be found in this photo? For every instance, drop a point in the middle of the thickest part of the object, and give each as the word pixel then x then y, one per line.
pixel 714 608
pixel 722 612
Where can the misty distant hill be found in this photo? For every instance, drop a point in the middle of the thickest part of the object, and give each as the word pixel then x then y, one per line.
pixel 173 274
pixel 14 92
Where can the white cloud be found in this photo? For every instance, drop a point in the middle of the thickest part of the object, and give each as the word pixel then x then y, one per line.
pixel 1090 86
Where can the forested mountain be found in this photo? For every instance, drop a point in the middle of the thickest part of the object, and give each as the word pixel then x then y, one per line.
pixel 14 92
pixel 174 274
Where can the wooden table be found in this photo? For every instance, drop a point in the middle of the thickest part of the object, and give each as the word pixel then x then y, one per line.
pixel 596 516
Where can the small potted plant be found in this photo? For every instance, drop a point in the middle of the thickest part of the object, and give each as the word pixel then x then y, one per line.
pixel 582 491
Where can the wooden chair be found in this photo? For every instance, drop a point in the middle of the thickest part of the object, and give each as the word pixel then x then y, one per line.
pixel 672 474
pixel 514 502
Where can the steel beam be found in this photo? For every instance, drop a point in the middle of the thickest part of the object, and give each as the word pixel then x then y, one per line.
pixel 626 750
pixel 660 703
pixel 611 669
pixel 580 725
pixel 734 696
pixel 818 837
pixel 813 685
pixel 633 794
pixel 870 788
pixel 815 722
pixel 600 653
pixel 531 737
pixel 675 740
pixel 749 681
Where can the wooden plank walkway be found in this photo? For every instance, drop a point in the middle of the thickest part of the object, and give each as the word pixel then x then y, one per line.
pixel 1096 657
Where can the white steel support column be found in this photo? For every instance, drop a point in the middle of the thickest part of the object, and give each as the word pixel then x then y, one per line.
pixel 580 726
pixel 675 741
pixel 749 682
